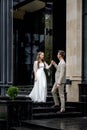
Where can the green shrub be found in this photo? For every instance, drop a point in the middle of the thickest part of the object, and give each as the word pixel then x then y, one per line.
pixel 12 92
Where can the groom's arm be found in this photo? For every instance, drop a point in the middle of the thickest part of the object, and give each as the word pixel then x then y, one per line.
pixel 54 63
pixel 62 73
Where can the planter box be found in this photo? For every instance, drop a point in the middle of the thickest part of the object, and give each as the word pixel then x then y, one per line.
pixel 16 111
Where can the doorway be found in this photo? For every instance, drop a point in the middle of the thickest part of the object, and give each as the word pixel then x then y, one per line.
pixel 41 30
pixel 28 40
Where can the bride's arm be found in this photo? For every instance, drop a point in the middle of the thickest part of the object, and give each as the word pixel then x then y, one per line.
pixel 35 69
pixel 48 66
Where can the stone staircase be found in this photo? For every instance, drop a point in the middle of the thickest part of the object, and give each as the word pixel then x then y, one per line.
pixel 44 110
pixel 41 111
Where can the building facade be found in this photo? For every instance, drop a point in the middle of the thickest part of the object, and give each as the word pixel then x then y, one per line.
pixel 33 25
pixel 6 43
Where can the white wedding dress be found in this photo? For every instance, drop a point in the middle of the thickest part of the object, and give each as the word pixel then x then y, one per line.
pixel 39 91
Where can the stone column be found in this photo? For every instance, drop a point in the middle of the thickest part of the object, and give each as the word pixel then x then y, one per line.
pixel 73 48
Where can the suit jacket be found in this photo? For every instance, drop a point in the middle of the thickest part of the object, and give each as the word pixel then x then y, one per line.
pixel 60 74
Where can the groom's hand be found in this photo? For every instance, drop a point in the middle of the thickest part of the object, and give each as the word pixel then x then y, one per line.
pixel 58 85
pixel 52 62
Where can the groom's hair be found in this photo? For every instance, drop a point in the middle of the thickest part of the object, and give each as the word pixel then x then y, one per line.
pixel 62 53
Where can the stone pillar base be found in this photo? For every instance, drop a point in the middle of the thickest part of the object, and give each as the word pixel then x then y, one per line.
pixel 73 91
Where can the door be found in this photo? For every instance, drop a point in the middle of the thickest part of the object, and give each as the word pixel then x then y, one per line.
pixel 28 40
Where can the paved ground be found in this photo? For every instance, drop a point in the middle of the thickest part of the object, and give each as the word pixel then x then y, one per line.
pixel 64 123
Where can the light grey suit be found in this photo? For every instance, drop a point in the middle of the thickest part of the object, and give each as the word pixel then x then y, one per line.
pixel 60 78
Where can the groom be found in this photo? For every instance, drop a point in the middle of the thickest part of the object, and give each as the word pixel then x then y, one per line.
pixel 60 78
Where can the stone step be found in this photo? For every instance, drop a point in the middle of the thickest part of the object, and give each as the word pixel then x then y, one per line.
pixel 50 103
pixel 45 104
pixel 41 110
pixel 50 109
pixel 49 98
pixel 33 127
pixel 27 90
pixel 31 86
pixel 21 128
pixel 55 115
pixel 74 104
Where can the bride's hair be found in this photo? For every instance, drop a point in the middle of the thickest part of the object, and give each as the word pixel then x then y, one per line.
pixel 38 58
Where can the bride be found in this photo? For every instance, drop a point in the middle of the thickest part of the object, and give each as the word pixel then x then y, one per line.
pixel 39 91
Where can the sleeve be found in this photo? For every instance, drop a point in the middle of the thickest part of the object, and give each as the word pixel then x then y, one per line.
pixel 35 66
pixel 62 72
pixel 55 66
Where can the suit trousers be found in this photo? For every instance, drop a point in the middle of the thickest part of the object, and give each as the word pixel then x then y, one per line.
pixel 54 91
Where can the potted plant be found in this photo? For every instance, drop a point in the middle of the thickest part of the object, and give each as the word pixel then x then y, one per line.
pixel 12 92
pixel 17 110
